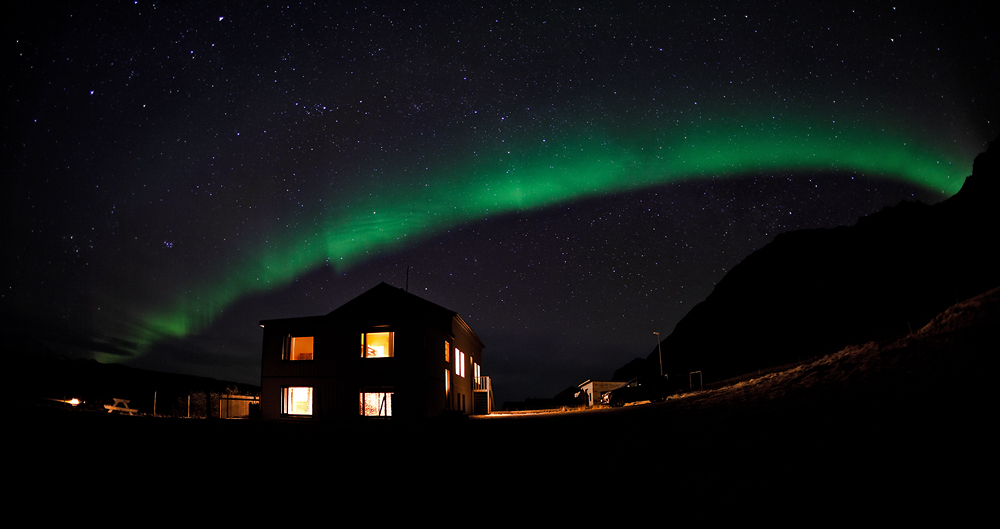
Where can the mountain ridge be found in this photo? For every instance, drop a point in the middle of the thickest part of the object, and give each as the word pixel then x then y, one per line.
pixel 813 292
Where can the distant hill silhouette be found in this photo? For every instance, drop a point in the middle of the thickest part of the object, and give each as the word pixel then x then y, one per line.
pixel 813 292
pixel 44 377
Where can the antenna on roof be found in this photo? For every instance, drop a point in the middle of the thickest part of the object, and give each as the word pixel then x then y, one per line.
pixel 407 278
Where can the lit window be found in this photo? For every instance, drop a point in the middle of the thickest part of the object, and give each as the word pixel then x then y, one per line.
pixel 377 345
pixel 296 401
pixel 376 404
pixel 459 363
pixel 447 348
pixel 298 348
pixel 447 388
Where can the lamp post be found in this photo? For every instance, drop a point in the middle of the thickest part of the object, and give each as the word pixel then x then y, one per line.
pixel 660 351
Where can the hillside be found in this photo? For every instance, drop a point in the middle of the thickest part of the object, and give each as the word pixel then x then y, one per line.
pixel 937 367
pixel 813 292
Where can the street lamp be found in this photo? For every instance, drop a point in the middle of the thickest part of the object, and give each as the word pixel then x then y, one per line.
pixel 660 351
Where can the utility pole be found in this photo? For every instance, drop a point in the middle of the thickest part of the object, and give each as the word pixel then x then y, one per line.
pixel 660 351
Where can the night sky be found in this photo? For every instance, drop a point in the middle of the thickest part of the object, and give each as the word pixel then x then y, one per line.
pixel 569 177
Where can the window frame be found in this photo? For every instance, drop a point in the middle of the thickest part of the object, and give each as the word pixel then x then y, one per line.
pixel 286 401
pixel 391 344
pixel 385 392
pixel 287 349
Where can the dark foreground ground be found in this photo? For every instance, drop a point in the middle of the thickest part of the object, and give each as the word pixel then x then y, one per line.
pixel 911 418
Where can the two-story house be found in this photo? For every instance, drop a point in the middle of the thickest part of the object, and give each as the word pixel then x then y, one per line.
pixel 385 353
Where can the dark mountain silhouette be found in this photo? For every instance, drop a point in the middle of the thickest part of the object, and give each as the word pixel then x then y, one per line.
pixel 813 292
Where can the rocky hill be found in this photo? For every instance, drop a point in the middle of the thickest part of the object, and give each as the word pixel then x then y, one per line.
pixel 813 292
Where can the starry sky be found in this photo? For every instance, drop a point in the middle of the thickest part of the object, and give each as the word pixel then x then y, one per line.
pixel 568 176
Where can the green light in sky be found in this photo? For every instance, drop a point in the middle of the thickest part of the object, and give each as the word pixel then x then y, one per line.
pixel 532 174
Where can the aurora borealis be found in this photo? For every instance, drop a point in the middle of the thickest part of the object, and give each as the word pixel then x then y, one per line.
pixel 568 177
pixel 551 175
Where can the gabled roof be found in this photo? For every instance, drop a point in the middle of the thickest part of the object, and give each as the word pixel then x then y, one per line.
pixel 397 305
pixel 385 304
pixel 383 297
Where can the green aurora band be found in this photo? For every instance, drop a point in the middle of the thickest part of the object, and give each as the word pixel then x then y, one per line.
pixel 520 177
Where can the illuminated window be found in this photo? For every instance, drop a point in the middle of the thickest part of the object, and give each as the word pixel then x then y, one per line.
pixel 298 348
pixel 296 401
pixel 447 388
pixel 376 404
pixel 377 345
pixel 447 348
pixel 459 363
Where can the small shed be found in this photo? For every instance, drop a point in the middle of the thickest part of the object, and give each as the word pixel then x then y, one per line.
pixel 595 389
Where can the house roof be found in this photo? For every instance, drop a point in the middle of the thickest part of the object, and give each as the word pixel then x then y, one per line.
pixel 393 305
pixel 383 296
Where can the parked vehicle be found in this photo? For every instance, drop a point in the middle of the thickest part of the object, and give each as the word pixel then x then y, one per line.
pixel 638 389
